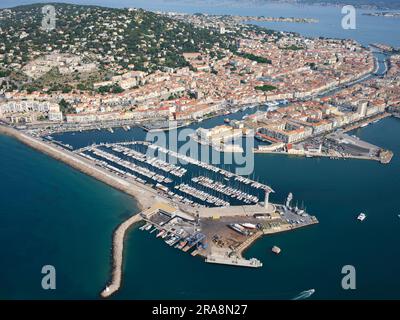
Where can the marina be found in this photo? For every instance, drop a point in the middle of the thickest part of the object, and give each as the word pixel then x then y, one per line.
pixel 163 125
pixel 205 210
pixel 167 172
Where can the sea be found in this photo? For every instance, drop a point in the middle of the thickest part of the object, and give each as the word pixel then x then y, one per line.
pixel 51 214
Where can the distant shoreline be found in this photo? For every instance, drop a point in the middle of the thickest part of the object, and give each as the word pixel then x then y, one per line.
pixel 234 4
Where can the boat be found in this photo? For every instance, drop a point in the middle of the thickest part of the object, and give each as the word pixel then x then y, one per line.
pixel 227 120
pixel 361 217
pixel 182 244
pixel 304 294
pixel 238 228
pixel 110 130
pixel 249 225
pixel 276 250
pixel 364 125
pixel 164 235
pixel 160 233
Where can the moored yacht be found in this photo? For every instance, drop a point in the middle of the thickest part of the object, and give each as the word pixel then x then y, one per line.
pixel 361 217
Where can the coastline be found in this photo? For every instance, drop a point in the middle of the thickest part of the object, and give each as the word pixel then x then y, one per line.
pixel 143 196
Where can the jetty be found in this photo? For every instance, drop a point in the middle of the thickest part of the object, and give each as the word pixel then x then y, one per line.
pixel 117 255
pixel 118 244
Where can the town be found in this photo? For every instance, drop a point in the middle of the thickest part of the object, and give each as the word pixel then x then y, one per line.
pixel 260 67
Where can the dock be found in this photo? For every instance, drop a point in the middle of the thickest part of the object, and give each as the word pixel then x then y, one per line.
pixel 235 261
pixel 366 121
pixel 249 241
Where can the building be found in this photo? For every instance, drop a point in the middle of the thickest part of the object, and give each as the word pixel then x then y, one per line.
pixel 218 134
pixel 286 131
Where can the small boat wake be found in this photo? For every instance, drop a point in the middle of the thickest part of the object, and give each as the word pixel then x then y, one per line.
pixel 304 294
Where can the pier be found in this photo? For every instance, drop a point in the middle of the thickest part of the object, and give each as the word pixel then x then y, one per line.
pixel 117 255
pixel 118 244
pixel 235 261
pixel 147 164
pixel 354 148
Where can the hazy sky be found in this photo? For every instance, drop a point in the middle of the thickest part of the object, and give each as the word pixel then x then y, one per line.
pixel 113 3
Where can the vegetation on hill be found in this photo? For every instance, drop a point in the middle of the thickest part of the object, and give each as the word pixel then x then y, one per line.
pixel 115 39
pixel 265 87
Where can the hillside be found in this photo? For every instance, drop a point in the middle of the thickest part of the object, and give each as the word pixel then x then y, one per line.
pixel 113 39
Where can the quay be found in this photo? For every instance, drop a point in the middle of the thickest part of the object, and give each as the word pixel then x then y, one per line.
pixel 235 261
pixel 249 241
pixel 354 148
pixel 366 121
pixel 47 128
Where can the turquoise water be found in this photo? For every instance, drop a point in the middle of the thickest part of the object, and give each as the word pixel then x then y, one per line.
pixel 51 214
